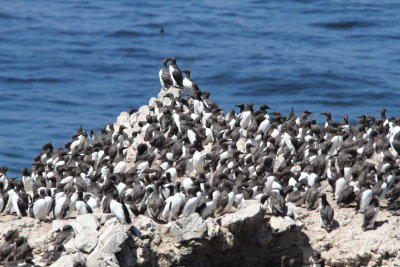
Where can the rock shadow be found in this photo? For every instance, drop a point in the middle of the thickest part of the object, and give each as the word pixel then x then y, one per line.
pixel 380 223
pixel 335 225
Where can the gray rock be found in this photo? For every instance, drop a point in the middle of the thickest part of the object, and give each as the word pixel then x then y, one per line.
pixel 189 228
pixel 123 118
pixel 144 223
pixel 213 229
pixel 144 111
pixel 70 246
pixel 109 243
pixel 174 90
pixel 102 260
pixel 86 239
pixel 103 217
pixel 89 221
pixel 280 225
pixel 68 260
pixel 246 220
pixel 111 239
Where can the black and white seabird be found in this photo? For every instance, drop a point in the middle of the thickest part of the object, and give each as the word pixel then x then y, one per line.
pixel 40 208
pixel 191 202
pixel 326 213
pixel 27 180
pixel 165 77
pixel 175 73
pixel 190 85
pixel 20 200
pixel 276 203
pixel 370 214
pixel 155 202
pixel 119 209
pixel 81 205
pixel 173 204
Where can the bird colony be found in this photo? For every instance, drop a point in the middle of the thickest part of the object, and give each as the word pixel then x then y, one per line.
pixel 182 154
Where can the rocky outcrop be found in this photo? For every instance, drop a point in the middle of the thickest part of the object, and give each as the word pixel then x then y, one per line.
pixel 248 236
pixel 243 238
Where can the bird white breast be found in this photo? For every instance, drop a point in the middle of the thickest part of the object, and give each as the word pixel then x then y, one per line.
pixel 288 141
pixel 264 126
pixel 355 186
pixel 116 209
pixel 66 180
pixel 268 183
pixel 58 207
pixel 191 136
pixel 187 183
pixel 198 106
pixel 172 171
pixel 188 85
pixel 161 80
pixel 171 70
pixel 224 155
pixel 340 184
pixel 276 185
pixel 384 190
pixel 245 119
pixel 292 182
pixel 190 206
pixel 311 179
pixel 120 167
pixel 40 209
pixel 60 163
pixel 209 136
pixel 198 162
pixel 121 187
pixel 177 121
pixel 81 207
pixel 347 173
pixel 366 198
pixel 164 165
pixel 176 204
pixel 142 166
pixel 28 182
pixel 275 133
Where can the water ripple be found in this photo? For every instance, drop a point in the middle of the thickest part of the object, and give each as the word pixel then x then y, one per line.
pixel 344 25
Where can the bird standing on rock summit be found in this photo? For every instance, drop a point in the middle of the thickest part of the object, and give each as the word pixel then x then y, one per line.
pixel 165 77
pixel 190 85
pixel 175 73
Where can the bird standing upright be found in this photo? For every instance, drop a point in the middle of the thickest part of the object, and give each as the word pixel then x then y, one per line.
pixel 175 73
pixel 326 213
pixel 190 85
pixel 370 215
pixel 165 77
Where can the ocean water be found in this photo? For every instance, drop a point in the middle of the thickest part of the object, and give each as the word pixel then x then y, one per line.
pixel 67 63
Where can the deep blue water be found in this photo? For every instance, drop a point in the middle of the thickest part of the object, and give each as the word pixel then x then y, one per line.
pixel 66 63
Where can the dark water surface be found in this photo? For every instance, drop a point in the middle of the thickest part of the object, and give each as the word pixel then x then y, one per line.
pixel 66 63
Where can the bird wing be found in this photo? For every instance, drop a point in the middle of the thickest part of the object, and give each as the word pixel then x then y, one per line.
pixel 177 76
pixel 166 78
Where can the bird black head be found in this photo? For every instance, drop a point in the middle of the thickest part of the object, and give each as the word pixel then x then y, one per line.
pixel 173 60
pixel 3 169
pixel 264 107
